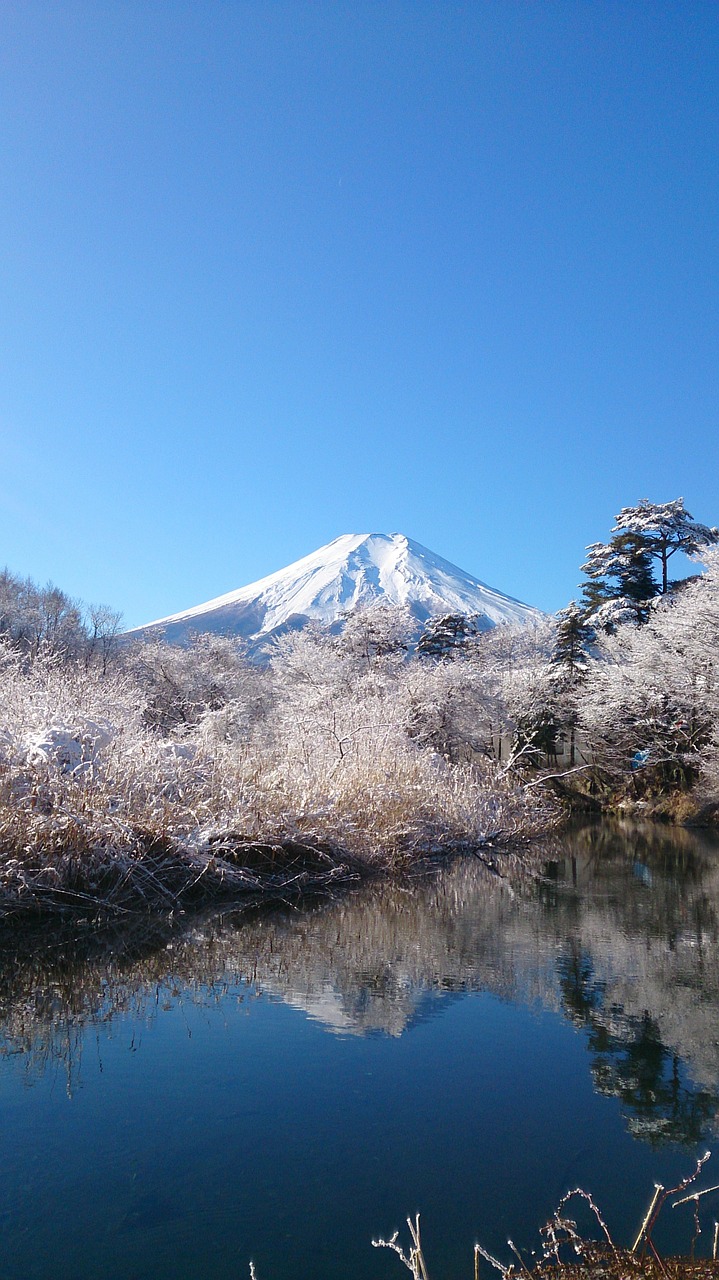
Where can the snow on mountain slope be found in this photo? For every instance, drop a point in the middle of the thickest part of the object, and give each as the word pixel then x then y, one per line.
pixel 353 571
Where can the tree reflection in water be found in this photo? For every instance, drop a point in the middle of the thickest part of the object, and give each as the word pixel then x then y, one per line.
pixel 619 934
pixel 630 1062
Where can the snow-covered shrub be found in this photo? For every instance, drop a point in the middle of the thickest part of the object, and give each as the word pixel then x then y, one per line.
pixel 335 744
pixel 345 758
pixel 70 748
pixel 183 683
pixel 655 689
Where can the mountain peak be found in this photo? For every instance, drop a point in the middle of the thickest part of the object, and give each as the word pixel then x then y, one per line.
pixel 349 573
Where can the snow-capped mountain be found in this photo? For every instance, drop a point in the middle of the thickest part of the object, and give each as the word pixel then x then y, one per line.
pixel 352 572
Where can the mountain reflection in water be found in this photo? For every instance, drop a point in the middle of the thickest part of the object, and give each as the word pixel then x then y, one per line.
pixel 619 934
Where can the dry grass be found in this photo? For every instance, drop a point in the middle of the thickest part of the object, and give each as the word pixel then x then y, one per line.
pixel 100 813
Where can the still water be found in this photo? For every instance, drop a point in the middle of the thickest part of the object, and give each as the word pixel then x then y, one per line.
pixel 284 1087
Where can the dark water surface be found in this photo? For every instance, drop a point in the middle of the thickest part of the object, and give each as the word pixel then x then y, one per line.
pixel 284 1087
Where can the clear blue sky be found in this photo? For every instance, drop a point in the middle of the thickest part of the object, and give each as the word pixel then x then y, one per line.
pixel 272 272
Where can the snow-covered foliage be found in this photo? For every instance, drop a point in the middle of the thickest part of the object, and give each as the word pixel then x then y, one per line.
pixel 346 743
pixel 181 686
pixel 72 749
pixel 654 690
pixel 378 630
pixel 665 528
pixel 42 619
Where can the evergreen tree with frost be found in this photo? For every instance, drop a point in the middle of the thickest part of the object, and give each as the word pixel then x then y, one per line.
pixel 447 636
pixel 620 582
pixel 664 528
pixel 572 640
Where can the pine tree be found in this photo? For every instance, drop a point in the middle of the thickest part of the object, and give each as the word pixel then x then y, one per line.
pixel 664 528
pixel 447 636
pixel 596 593
pixel 572 640
pixel 620 580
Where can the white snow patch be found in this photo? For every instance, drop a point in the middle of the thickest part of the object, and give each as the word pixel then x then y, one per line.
pixel 68 748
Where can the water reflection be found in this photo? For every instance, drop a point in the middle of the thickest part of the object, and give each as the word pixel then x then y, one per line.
pixel 630 1061
pixel 619 934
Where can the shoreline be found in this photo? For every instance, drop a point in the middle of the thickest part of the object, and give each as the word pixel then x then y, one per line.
pixel 601 799
pixel 160 877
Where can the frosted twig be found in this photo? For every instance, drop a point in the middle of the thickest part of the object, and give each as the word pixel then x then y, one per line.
pixel 417 1250
pixel 491 1259
pixel 519 1257
pixel 663 1195
pixel 415 1262
pixel 549 777
pixel 696 1195
pixel 578 1191
pixel 658 1188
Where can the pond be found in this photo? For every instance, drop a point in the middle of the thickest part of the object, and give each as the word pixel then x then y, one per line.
pixel 283 1086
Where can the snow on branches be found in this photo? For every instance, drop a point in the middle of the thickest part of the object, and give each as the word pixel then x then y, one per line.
pixel 655 689
pixel 664 528
pixel 620 584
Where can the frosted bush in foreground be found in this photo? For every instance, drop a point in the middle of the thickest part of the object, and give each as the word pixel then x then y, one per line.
pixel 97 803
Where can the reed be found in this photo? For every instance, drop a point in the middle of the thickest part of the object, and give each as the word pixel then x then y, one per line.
pixel 101 813
pixel 567 1255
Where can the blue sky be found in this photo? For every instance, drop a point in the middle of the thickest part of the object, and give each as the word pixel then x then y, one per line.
pixel 273 272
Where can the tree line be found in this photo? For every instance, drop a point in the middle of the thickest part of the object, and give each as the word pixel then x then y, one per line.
pixel 34 619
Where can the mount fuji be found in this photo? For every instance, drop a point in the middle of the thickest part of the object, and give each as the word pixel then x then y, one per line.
pixel 354 571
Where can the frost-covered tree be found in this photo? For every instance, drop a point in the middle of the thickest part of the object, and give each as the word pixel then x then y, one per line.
pixel 36 618
pixel 379 631
pixel 447 636
pixel 620 583
pixel 652 697
pixel 181 684
pixel 453 707
pixel 329 704
pixel 103 627
pixel 518 661
pixel 663 529
pixel 46 620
